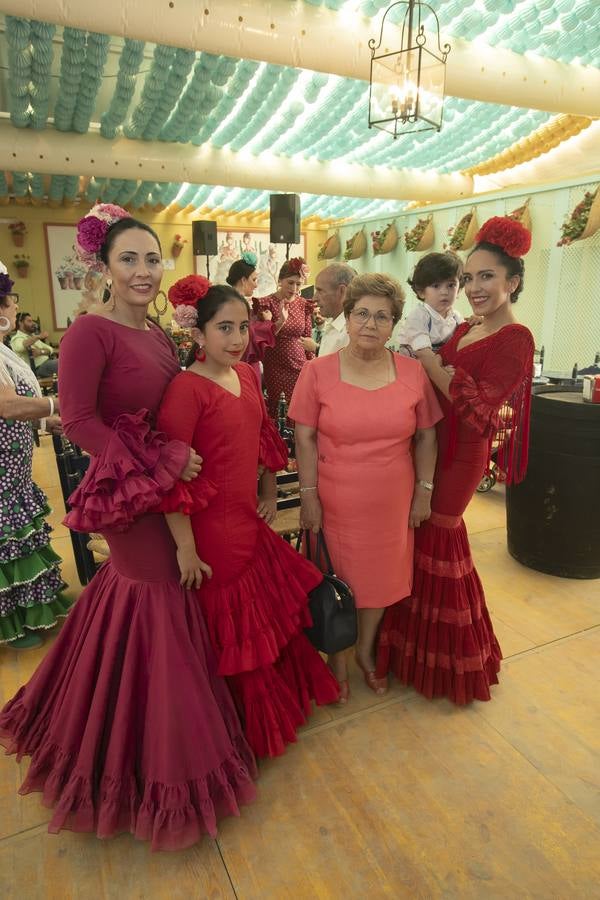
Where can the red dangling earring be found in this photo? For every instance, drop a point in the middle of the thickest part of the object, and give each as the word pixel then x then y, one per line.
pixel 200 355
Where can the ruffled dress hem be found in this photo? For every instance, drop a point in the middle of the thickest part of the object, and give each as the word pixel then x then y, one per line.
pixel 169 816
pixel 441 640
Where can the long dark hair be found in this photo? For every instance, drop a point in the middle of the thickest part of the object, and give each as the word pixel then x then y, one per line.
pixel 209 305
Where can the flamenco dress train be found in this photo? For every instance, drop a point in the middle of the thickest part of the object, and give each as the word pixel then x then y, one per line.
pixel 256 603
pixel 128 725
pixel 441 640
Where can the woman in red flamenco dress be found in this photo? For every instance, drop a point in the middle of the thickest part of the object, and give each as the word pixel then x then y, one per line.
pixel 253 587
pixel 128 725
pixel 441 640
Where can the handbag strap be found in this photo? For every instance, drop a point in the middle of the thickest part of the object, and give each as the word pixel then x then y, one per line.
pixel 321 548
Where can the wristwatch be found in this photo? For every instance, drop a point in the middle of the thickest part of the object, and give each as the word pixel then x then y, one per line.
pixel 428 485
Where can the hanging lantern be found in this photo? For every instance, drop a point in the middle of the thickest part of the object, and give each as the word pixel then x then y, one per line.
pixel 406 90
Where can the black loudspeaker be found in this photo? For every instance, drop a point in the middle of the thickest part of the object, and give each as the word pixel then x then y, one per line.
pixel 285 219
pixel 204 238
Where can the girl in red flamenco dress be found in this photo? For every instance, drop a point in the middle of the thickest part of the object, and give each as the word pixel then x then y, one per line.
pixel 252 586
pixel 441 639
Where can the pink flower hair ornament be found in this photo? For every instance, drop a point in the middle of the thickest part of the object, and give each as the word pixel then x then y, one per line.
pixel 92 230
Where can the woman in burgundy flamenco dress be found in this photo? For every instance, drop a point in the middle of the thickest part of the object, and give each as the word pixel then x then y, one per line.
pixel 441 640
pixel 255 586
pixel 128 725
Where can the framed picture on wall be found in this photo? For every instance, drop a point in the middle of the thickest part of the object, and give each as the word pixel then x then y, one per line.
pixel 270 257
pixel 73 287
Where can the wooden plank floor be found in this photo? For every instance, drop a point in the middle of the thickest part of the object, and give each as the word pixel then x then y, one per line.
pixel 390 797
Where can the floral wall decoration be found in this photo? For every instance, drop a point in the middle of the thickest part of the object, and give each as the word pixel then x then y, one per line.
pixel 462 235
pixel 385 240
pixel 584 221
pixel 356 246
pixel 522 214
pixel 421 236
pixel 331 248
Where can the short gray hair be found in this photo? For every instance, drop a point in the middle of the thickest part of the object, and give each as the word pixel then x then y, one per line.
pixel 339 273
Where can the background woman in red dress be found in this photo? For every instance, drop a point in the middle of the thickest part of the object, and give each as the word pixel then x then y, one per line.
pixel 294 343
pixel 127 723
pixel 253 587
pixel 441 639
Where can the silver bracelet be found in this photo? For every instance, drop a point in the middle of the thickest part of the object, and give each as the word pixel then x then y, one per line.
pixel 51 402
pixel 303 489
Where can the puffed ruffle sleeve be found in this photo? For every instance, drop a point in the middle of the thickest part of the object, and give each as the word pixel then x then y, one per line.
pixel 508 364
pixel 272 450
pixel 471 406
pixel 129 478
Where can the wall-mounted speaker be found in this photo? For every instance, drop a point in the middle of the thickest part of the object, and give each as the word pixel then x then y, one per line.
pixel 285 219
pixel 204 238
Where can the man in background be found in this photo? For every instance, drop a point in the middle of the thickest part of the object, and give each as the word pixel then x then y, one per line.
pixel 26 340
pixel 330 291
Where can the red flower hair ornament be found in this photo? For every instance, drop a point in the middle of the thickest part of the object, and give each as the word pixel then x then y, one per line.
pixel 297 266
pixel 508 234
pixel 183 296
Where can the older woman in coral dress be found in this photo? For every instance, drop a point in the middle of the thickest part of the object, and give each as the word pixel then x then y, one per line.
pixel 366 451
pixel 441 639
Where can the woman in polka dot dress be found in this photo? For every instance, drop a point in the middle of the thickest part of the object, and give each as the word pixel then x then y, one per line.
pixel 294 343
pixel 30 580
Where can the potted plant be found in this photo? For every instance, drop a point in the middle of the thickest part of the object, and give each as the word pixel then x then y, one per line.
pixel 584 221
pixel 62 276
pixel 18 231
pixel 331 248
pixel 462 235
pixel 177 245
pixel 355 246
pixel 420 237
pixel 522 215
pixel 384 241
pixel 79 271
pixel 22 265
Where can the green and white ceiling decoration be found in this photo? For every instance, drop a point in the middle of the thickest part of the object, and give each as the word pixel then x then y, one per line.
pixel 91 114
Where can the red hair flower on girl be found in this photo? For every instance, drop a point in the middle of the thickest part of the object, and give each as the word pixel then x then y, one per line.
pixel 184 294
pixel 509 235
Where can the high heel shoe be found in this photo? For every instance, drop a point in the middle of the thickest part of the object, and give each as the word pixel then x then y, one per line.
pixel 379 686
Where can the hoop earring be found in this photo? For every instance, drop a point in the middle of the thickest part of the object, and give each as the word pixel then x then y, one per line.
pixel 200 354
pixel 160 312
pixel 109 303
pixel 4 323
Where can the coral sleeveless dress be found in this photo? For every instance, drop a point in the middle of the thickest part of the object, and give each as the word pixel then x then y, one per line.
pixel 441 639
pixel 256 603
pixel 128 725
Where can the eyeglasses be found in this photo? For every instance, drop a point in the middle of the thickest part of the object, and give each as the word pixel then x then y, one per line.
pixel 362 316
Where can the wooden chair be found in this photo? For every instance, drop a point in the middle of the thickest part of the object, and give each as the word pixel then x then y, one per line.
pixel 287 520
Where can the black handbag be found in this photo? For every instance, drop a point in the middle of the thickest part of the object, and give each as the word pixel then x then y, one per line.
pixel 331 604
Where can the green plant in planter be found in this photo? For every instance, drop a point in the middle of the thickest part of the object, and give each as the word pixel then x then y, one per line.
pixel 22 264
